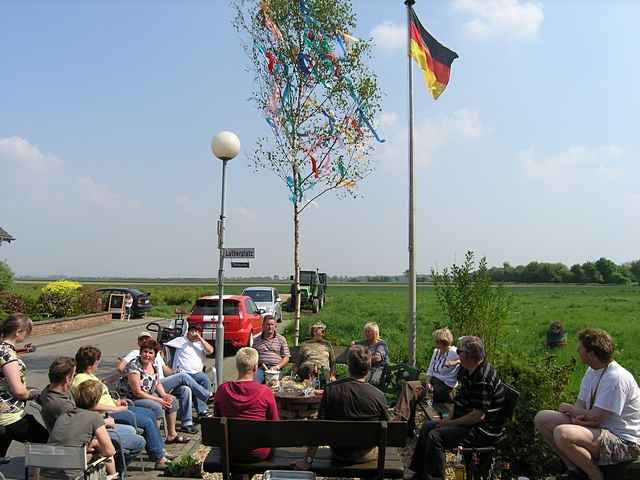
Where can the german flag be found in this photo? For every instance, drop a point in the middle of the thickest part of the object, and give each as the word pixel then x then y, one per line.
pixel 434 58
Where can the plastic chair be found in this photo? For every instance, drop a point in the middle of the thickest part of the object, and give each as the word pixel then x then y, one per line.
pixel 54 457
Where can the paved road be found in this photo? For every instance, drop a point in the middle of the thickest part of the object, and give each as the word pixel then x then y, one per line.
pixel 112 343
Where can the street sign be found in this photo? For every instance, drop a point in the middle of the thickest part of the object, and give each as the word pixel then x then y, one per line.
pixel 240 265
pixel 239 253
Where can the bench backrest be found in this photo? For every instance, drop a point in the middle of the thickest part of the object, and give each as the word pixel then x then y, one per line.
pixel 249 434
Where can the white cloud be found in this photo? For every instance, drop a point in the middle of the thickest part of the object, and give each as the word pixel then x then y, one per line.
pixel 26 156
pixel 435 134
pixel 431 136
pixel 501 18
pixel 573 165
pixel 389 36
pixel 98 194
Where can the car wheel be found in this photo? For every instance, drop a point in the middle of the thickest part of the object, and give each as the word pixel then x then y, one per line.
pixel 315 305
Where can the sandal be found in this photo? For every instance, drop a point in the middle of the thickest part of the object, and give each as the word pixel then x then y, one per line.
pixel 177 439
pixel 187 429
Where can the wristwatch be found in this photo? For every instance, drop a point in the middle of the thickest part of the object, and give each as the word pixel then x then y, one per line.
pixel 308 459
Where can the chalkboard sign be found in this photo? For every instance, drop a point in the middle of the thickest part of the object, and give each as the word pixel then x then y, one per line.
pixel 116 304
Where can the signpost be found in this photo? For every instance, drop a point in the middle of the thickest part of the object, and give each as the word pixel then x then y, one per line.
pixel 239 252
pixel 240 265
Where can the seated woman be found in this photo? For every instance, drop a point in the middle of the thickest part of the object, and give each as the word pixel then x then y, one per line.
pixel 316 353
pixel 87 361
pixel 141 385
pixel 16 423
pixel 82 426
pixel 378 350
pixel 442 377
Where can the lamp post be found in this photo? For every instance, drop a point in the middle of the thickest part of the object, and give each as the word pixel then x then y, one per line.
pixel 225 146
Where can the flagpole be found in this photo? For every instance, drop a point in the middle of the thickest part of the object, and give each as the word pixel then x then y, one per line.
pixel 411 318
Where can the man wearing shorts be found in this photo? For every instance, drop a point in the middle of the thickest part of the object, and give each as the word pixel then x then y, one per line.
pixel 603 426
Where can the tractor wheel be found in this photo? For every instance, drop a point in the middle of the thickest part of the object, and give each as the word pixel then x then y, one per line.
pixel 321 302
pixel 315 305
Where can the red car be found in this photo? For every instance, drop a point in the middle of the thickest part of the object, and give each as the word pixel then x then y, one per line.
pixel 242 319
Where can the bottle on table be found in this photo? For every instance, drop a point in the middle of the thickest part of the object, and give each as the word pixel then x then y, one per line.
pixel 459 469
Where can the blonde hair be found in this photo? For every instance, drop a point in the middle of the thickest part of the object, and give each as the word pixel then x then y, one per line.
pixel 443 335
pixel 373 326
pixel 246 359
pixel 87 394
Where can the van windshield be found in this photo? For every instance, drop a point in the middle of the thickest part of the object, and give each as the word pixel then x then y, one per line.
pixel 210 307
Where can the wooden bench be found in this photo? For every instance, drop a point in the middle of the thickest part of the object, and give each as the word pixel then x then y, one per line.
pixel 289 439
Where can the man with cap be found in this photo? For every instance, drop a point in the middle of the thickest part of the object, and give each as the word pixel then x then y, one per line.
pixel 317 353
pixel 180 384
pixel 189 357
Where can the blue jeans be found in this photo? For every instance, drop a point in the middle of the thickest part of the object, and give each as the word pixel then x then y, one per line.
pixel 259 375
pixel 155 407
pixel 127 439
pixel 182 385
pixel 202 379
pixel 145 419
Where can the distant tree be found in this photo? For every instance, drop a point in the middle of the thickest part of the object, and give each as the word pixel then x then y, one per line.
pixel 577 273
pixel 606 268
pixel 6 276
pixel 591 273
pixel 634 267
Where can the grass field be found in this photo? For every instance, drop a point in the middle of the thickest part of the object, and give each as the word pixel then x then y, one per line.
pixel 349 306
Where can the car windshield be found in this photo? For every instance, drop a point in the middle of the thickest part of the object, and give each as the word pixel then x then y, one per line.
pixel 210 307
pixel 135 291
pixel 259 295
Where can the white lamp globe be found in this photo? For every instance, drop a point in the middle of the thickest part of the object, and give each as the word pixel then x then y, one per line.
pixel 225 145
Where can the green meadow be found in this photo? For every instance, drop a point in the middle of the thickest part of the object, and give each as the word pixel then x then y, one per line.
pixel 613 308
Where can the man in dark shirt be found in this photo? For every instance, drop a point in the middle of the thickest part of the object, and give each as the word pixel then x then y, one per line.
pixel 351 398
pixel 476 417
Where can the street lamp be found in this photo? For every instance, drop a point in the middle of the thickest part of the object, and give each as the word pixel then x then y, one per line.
pixel 225 146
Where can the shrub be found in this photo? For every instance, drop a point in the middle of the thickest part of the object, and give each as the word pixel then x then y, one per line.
pixel 185 466
pixel 6 276
pixel 473 304
pixel 87 300
pixel 59 299
pixel 542 385
pixel 177 298
pixel 12 303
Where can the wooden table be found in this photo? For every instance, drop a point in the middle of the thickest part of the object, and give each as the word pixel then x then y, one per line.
pixel 295 406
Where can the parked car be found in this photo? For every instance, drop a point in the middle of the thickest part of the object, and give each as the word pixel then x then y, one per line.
pixel 242 319
pixel 141 300
pixel 267 299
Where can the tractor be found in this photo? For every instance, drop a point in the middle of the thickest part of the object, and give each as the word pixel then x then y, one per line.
pixel 312 291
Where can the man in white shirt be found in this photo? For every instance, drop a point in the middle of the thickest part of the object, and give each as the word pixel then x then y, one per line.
pixel 189 358
pixel 603 426
pixel 180 384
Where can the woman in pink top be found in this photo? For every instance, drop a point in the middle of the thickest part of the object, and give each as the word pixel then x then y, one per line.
pixel 244 398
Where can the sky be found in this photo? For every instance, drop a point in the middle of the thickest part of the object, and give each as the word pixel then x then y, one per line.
pixel 107 110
